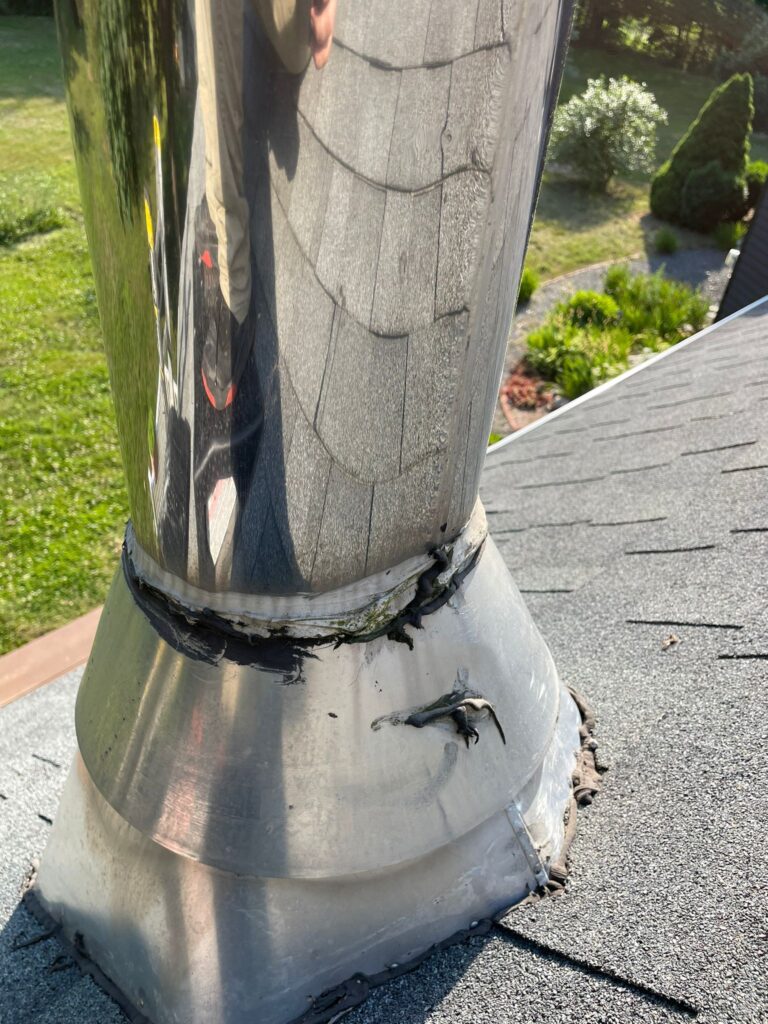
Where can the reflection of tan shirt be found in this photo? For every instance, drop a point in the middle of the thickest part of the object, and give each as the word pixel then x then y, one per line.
pixel 287 25
pixel 219 34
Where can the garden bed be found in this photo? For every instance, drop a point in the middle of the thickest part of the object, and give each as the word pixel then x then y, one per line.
pixel 583 337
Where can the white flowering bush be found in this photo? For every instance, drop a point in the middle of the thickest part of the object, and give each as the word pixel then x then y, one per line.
pixel 609 129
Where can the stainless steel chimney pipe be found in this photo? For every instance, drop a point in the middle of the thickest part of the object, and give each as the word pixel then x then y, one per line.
pixel 319 731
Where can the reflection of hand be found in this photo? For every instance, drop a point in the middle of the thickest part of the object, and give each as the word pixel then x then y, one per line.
pixel 322 15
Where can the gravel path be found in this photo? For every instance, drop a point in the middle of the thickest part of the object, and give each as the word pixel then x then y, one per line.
pixel 701 268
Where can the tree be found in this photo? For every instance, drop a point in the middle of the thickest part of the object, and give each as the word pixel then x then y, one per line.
pixel 684 33
pixel 718 135
pixel 609 129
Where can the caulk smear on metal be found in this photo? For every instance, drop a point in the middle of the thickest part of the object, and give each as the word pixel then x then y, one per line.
pixel 205 636
pixel 430 596
pixel 201 638
pixel 462 706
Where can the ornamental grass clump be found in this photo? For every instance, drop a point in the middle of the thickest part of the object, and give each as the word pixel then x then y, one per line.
pixel 608 130
pixel 729 234
pixel 581 343
pixel 657 311
pixel 587 308
pixel 529 282
pixel 665 241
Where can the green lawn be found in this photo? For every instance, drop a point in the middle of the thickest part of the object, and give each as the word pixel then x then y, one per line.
pixel 62 505
pixel 573 227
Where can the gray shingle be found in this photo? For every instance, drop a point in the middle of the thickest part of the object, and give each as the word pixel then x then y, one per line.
pixel 404 298
pixel 431 387
pixel 464 202
pixel 364 384
pixel 473 110
pixel 350 106
pixel 393 34
pixel 348 256
pixel 451 30
pixel 415 158
pixel 343 541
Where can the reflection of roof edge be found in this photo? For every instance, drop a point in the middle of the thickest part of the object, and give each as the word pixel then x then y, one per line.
pixel 384 65
pixel 385 186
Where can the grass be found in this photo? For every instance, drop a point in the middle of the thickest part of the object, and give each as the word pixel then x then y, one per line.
pixel 575 228
pixel 62 502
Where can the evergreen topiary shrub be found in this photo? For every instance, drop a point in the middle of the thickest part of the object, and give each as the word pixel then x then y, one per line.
pixel 757 173
pixel 760 123
pixel 712 195
pixel 720 133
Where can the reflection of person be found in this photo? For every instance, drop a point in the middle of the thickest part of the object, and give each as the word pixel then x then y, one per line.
pixel 322 16
pixel 228 417
pixel 298 30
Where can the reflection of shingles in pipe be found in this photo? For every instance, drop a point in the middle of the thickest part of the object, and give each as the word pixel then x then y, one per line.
pixel 342 229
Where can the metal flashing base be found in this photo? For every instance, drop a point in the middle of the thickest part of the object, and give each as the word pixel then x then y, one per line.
pixel 234 842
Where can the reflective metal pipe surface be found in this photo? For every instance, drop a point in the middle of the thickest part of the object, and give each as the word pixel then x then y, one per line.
pixel 307 222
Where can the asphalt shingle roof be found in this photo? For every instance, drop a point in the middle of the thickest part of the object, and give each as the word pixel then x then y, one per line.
pixel 635 515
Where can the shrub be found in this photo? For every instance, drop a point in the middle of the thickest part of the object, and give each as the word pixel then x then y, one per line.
pixel 757 173
pixel 722 126
pixel 656 311
pixel 760 122
pixel 585 308
pixel 557 351
pixel 547 348
pixel 578 349
pixel 728 234
pixel 665 241
pixel 529 282
pixel 712 195
pixel 576 377
pixel 609 129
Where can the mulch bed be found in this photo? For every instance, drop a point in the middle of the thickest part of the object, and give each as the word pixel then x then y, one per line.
pixel 525 397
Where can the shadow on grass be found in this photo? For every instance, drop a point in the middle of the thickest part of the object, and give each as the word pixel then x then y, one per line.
pixel 28 224
pixel 686 240
pixel 576 208
pixel 31 66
